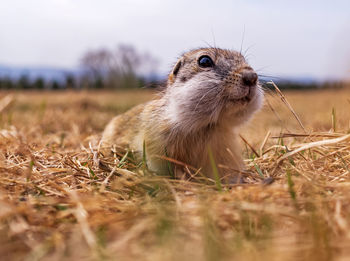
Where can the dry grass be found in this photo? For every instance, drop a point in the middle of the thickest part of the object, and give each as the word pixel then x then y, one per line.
pixel 60 200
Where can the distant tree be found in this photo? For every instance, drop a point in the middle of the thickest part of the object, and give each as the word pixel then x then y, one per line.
pixel 55 85
pixel 96 65
pixel 121 68
pixel 7 83
pixel 70 82
pixel 23 82
pixel 39 83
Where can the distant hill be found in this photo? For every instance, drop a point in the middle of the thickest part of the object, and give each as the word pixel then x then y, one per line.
pixel 59 74
pixel 45 72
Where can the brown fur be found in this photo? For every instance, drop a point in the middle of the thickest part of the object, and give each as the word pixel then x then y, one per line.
pixel 200 108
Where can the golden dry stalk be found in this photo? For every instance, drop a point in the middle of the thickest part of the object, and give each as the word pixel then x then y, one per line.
pixel 60 199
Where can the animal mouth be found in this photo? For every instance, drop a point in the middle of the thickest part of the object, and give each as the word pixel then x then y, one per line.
pixel 245 99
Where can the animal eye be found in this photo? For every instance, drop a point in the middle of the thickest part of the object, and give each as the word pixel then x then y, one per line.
pixel 205 61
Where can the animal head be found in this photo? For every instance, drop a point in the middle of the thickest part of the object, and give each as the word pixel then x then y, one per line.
pixel 210 86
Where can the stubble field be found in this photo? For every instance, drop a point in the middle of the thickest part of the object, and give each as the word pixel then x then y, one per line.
pixel 60 199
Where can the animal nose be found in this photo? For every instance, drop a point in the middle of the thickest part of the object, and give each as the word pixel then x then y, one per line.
pixel 249 78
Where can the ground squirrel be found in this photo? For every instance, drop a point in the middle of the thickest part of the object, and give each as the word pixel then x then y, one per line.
pixel 209 93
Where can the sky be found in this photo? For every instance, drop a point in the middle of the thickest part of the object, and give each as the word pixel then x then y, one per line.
pixel 280 38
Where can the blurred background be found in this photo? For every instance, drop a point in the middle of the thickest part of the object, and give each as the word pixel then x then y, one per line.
pixel 80 44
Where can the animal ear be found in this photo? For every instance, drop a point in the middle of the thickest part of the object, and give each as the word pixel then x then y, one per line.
pixel 174 72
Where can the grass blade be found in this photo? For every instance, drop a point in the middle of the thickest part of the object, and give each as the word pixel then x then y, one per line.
pixel 144 157
pixel 214 169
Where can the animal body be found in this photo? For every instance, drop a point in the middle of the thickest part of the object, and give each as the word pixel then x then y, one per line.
pixel 209 94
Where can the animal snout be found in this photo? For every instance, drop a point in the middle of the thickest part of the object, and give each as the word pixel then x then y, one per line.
pixel 249 78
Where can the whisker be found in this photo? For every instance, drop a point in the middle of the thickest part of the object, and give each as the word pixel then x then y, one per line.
pixel 240 50
pixel 208 44
pixel 245 52
pixel 270 76
pixel 213 35
pixel 261 68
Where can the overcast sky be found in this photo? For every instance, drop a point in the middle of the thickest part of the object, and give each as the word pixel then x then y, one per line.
pixel 283 38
